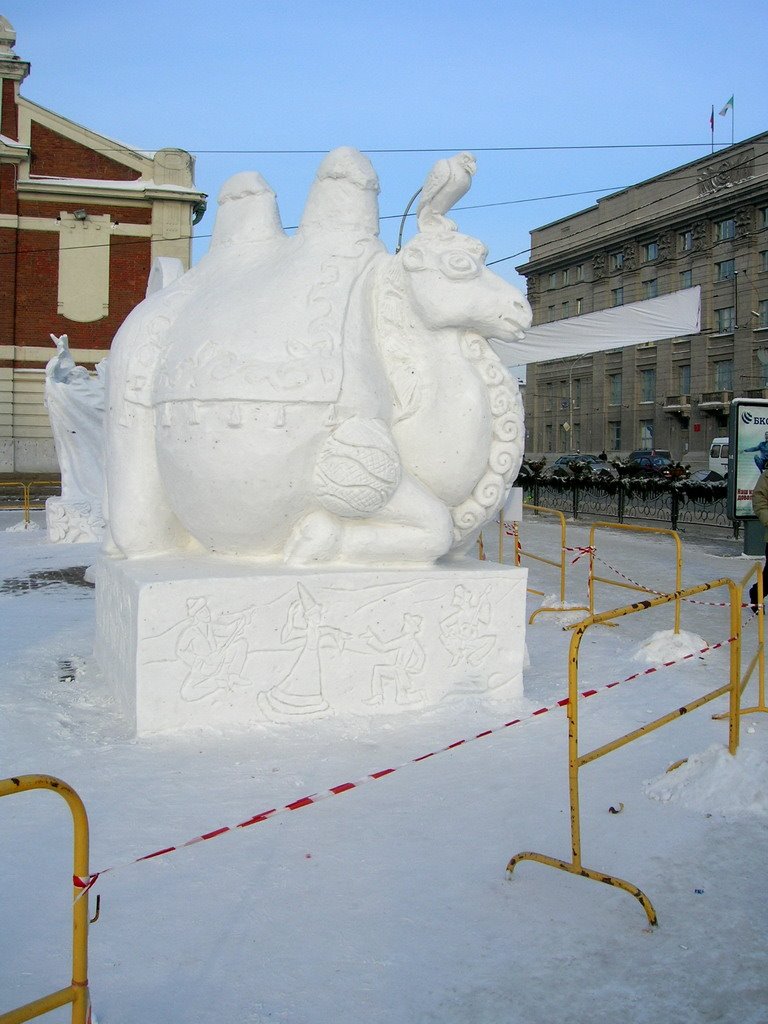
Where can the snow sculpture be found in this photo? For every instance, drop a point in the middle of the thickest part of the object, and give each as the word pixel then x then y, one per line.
pixel 308 414
pixel 75 403
pixel 342 404
pixel 447 182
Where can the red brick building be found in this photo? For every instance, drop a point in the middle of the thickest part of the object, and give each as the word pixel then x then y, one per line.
pixel 82 218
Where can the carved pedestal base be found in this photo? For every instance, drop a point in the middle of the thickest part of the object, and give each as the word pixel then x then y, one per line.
pixel 73 522
pixel 209 642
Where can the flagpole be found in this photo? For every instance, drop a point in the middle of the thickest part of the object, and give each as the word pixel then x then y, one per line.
pixel 712 126
pixel 724 111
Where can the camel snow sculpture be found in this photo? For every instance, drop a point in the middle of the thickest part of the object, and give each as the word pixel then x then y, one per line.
pixel 305 434
pixel 312 399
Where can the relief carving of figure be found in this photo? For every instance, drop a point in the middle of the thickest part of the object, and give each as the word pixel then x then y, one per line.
pixel 406 660
pixel 300 691
pixel 630 256
pixel 463 631
pixel 743 218
pixel 700 236
pixel 312 399
pixel 214 650
pixel 666 246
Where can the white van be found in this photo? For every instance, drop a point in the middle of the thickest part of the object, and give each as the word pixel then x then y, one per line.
pixel 718 456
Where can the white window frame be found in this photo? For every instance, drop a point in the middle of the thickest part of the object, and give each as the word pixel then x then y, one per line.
pixel 650 252
pixel 725 320
pixel 723 373
pixel 647 385
pixel 651 288
pixel 646 433
pixel 726 270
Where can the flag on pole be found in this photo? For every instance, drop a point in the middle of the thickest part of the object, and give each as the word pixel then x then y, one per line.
pixel 728 106
pixel 712 119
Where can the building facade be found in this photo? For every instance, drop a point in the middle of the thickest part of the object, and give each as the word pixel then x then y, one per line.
pixel 82 218
pixel 705 224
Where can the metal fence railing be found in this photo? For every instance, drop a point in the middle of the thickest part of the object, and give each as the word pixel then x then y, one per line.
pixel 671 506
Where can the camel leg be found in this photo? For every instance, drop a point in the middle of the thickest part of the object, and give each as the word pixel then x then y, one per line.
pixel 413 528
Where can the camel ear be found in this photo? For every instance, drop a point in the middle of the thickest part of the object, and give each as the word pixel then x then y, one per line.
pixel 413 258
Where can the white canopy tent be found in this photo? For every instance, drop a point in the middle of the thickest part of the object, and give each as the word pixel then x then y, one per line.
pixel 669 316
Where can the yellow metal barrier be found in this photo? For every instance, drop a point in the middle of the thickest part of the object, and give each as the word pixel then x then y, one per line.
pixel 593 579
pixel 41 502
pixel 26 493
pixel 18 485
pixel 577 760
pixel 75 993
pixel 519 552
pixel 758 659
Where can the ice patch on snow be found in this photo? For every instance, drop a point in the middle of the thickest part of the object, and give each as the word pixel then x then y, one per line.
pixel 667 645
pixel 715 782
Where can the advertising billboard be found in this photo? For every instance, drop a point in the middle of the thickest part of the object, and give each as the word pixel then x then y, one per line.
pixel 747 453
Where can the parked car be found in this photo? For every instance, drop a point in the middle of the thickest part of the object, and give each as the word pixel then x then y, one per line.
pixel 565 465
pixel 653 465
pixel 648 453
pixel 566 461
pixel 706 476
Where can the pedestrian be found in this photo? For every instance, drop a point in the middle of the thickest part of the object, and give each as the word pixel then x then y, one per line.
pixel 602 456
pixel 760 507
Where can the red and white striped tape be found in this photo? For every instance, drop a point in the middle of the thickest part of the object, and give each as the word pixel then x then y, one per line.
pixel 84 883
pixel 581 551
pixel 661 593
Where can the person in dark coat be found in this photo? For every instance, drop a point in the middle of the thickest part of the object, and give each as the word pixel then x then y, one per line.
pixel 760 507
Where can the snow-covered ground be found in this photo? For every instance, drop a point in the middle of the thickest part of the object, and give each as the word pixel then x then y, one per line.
pixel 389 904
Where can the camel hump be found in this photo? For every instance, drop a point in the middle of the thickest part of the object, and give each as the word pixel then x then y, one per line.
pixel 247 212
pixel 344 197
pixel 266 321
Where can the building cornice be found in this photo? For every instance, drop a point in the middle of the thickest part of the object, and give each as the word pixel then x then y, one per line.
pixel 723 181
pixel 709 207
pixel 14 68
pixel 83 189
pixel 12 152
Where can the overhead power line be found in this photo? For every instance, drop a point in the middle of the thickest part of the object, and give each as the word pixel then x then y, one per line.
pixel 694 180
pixel 433 149
pixel 127 240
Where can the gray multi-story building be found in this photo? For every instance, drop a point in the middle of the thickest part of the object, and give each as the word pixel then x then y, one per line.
pixel 705 223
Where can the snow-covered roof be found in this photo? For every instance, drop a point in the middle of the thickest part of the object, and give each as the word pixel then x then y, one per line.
pixel 136 185
pixel 134 151
pixel 13 143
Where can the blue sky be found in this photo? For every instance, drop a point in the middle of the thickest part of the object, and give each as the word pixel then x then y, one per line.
pixel 314 74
